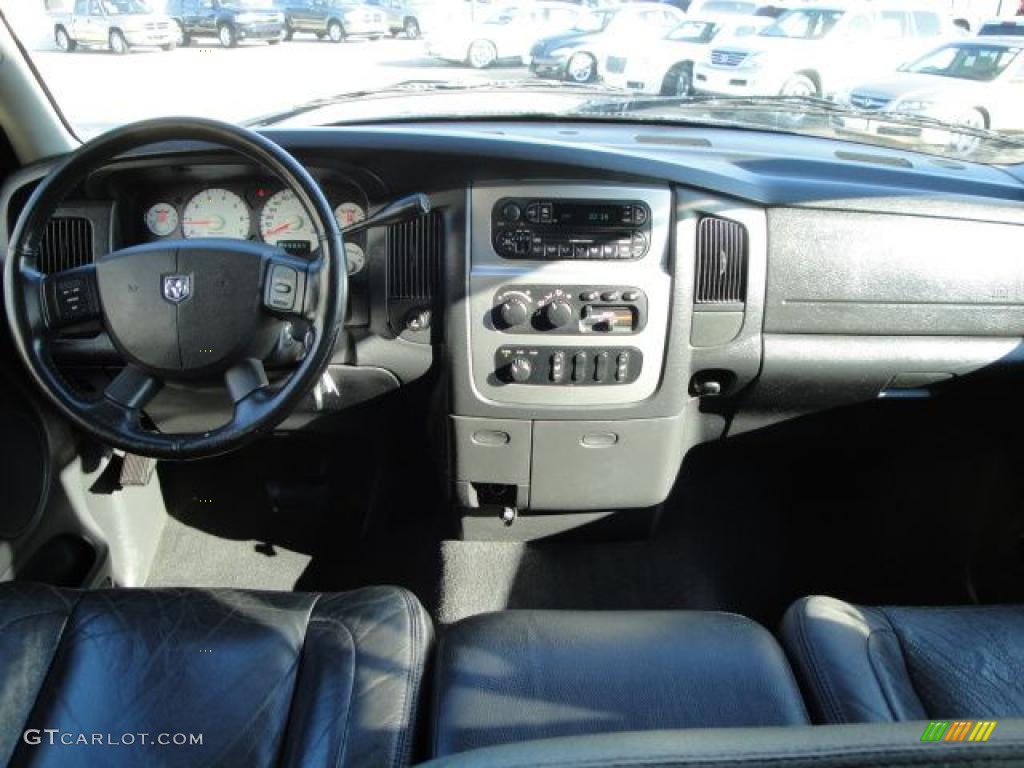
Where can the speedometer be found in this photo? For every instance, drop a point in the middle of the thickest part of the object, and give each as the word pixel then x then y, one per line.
pixel 216 213
pixel 284 218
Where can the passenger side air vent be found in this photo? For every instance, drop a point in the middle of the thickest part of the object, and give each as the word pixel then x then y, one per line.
pixel 415 251
pixel 721 276
pixel 66 244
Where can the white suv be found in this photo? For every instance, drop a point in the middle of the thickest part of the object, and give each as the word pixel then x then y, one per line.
pixel 820 50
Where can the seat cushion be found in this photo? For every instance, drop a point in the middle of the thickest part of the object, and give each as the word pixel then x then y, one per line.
pixel 520 675
pixel 262 677
pixel 859 664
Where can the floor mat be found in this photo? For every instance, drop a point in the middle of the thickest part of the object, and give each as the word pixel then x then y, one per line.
pixel 189 557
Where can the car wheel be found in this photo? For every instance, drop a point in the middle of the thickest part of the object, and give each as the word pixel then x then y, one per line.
pixel 481 54
pixel 411 29
pixel 319 35
pixel 64 41
pixel 227 36
pixel 335 32
pixel 799 85
pixel 117 42
pixel 581 68
pixel 679 81
pixel 965 144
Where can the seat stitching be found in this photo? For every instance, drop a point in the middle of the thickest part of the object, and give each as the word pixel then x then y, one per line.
pixel 351 693
pixel 404 745
pixel 874 668
pixel 829 699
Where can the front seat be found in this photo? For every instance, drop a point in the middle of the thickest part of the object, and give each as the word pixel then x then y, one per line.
pixel 264 678
pixel 864 665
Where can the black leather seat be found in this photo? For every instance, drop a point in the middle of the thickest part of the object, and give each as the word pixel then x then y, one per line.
pixel 860 665
pixel 520 675
pixel 265 678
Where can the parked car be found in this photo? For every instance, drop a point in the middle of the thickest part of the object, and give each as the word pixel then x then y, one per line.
pixel 977 83
pixel 1012 27
pixel 666 66
pixel 817 50
pixel 404 17
pixel 507 33
pixel 118 25
pixel 229 22
pixel 574 55
pixel 335 20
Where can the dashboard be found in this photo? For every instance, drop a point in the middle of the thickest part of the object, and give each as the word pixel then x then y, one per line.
pixel 591 301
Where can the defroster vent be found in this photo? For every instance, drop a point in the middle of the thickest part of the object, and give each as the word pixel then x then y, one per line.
pixel 415 253
pixel 66 244
pixel 721 262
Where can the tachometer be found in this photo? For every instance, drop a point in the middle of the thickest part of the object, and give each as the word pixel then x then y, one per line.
pixel 348 214
pixel 355 258
pixel 162 219
pixel 284 218
pixel 216 213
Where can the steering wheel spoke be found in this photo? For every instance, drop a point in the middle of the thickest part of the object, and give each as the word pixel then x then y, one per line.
pixel 68 298
pixel 246 377
pixel 132 388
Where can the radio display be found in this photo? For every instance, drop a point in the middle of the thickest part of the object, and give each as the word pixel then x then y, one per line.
pixel 582 214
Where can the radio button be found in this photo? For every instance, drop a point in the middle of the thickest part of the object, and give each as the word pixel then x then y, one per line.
pixel 594 252
pixel 601 367
pixel 537 250
pixel 512 212
pixel 579 251
pixel 533 213
pixel 590 296
pixel 627 214
pixel 610 296
pixel 579 366
pixel 608 251
pixel 564 251
pixel 550 250
pixel 630 295
pixel 558 367
pixel 622 367
pixel 640 215
pixel 545 213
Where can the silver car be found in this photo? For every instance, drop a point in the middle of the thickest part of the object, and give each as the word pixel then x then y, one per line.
pixel 977 82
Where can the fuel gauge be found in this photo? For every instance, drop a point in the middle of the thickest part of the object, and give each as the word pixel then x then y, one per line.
pixel 162 219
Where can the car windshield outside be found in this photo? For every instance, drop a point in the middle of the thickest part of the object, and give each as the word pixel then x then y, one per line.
pixel 968 62
pixel 804 24
pixel 785 67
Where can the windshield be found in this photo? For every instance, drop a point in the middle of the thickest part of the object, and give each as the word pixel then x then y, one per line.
pixel 968 62
pixel 722 63
pixel 803 24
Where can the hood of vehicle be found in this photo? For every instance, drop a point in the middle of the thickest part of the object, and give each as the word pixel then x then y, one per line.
pixel 572 40
pixel 910 86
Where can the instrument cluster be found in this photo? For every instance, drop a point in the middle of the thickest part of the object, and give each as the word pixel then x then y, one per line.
pixel 251 210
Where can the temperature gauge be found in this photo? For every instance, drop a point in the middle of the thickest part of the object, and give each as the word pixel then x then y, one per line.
pixel 162 219
pixel 348 214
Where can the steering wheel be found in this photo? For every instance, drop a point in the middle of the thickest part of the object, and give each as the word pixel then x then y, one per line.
pixel 181 311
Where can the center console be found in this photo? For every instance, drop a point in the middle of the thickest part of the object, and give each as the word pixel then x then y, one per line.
pixel 569 293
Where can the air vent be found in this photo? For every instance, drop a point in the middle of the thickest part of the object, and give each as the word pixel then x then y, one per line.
pixel 66 244
pixel 721 262
pixel 415 251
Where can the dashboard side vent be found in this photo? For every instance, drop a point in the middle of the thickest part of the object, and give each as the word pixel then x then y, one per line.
pixel 415 253
pixel 721 262
pixel 66 244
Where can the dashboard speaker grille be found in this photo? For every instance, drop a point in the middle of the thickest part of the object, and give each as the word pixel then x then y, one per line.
pixel 415 253
pixel 66 244
pixel 721 262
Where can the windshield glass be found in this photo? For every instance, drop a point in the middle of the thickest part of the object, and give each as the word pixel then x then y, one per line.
pixel 968 62
pixel 722 63
pixel 804 24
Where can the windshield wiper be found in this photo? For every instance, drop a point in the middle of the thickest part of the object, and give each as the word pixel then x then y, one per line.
pixel 787 105
pixel 409 87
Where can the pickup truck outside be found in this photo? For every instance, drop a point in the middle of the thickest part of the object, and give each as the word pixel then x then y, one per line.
pixel 118 25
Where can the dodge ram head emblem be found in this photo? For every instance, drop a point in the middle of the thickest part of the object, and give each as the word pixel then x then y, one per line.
pixel 177 288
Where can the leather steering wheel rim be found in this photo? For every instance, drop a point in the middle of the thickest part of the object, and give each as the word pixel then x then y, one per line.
pixel 116 424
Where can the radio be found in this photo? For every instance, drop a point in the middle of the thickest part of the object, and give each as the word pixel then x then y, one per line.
pixel 571 229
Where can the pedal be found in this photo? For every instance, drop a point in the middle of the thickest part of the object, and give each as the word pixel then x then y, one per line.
pixel 136 470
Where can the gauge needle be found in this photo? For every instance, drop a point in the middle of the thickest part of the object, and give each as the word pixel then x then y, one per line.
pixel 279 228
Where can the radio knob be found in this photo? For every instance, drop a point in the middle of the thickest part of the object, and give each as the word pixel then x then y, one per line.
pixel 514 312
pixel 512 212
pixel 520 370
pixel 558 313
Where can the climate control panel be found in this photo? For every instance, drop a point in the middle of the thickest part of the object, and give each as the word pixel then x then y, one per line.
pixel 568 366
pixel 569 309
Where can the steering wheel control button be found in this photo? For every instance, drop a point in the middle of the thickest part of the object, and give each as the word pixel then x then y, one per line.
pixel 282 287
pixel 73 297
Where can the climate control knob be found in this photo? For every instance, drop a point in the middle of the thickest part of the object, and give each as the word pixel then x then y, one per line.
pixel 513 312
pixel 520 370
pixel 558 314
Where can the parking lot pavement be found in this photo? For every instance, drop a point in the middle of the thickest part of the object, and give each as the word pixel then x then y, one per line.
pixel 234 84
